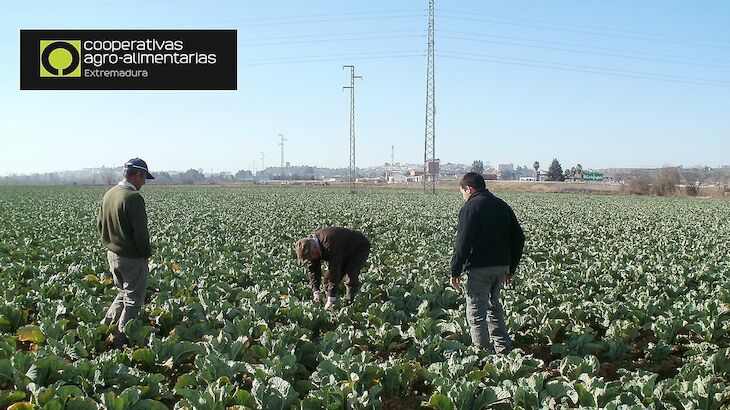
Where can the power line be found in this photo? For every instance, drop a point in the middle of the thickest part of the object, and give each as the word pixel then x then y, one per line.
pixel 287 60
pixel 329 40
pixel 636 4
pixel 300 20
pixel 583 26
pixel 585 69
pixel 586 52
pixel 592 67
pixel 642 52
pixel 367 53
pixel 324 60
pixel 359 33
pixel 594 33
pixel 310 16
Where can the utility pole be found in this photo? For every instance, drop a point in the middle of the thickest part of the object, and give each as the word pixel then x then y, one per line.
pixel 430 168
pixel 262 161
pixel 282 152
pixel 352 123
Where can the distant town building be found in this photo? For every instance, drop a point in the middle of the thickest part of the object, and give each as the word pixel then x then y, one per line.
pixel 433 167
pixel 396 178
pixel 505 167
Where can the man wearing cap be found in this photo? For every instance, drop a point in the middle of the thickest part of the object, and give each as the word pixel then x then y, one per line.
pixel 122 223
pixel 345 251
pixel 489 245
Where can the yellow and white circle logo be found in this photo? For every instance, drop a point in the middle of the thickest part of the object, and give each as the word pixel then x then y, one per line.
pixel 60 58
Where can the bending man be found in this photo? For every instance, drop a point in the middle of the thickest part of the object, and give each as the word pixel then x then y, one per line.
pixel 345 251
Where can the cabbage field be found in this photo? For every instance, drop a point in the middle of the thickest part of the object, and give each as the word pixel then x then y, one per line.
pixel 620 302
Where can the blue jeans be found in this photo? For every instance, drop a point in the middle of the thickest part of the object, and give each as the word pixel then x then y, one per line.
pixel 484 311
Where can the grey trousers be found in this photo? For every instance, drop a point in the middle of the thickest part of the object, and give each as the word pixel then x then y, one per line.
pixel 483 309
pixel 130 277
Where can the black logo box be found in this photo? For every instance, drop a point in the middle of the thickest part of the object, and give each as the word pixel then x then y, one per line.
pixel 219 76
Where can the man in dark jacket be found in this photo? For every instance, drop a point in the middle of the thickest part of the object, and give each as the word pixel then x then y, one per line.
pixel 488 247
pixel 122 223
pixel 345 251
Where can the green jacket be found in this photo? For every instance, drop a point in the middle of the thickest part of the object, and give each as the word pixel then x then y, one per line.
pixel 122 223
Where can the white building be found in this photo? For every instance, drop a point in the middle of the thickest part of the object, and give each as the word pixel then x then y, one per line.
pixel 397 178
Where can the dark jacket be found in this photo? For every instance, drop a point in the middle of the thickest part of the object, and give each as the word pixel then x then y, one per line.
pixel 122 223
pixel 339 246
pixel 489 235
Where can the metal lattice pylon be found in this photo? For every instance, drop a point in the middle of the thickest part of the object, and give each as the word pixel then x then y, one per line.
pixel 282 152
pixel 352 123
pixel 429 152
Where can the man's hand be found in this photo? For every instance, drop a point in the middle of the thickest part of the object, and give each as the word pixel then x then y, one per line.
pixel 455 283
pixel 329 304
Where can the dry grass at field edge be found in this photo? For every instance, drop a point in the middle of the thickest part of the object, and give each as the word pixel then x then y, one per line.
pixel 495 186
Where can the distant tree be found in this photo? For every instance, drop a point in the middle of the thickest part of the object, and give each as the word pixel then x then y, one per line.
pixel 555 172
pixel 693 178
pixel 192 176
pixel 161 178
pixel 570 173
pixel 522 171
pixel 667 181
pixel 243 174
pixel 477 166
pixel 110 176
pixel 579 171
pixel 536 165
pixel 639 183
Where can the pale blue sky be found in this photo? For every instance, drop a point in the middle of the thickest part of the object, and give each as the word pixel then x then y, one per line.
pixel 617 83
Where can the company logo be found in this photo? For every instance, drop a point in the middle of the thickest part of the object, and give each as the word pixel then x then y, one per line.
pixel 60 58
pixel 128 59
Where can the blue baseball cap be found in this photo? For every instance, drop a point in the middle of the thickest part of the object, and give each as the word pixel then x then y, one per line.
pixel 136 163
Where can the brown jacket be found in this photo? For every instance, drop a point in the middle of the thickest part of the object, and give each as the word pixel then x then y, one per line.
pixel 344 250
